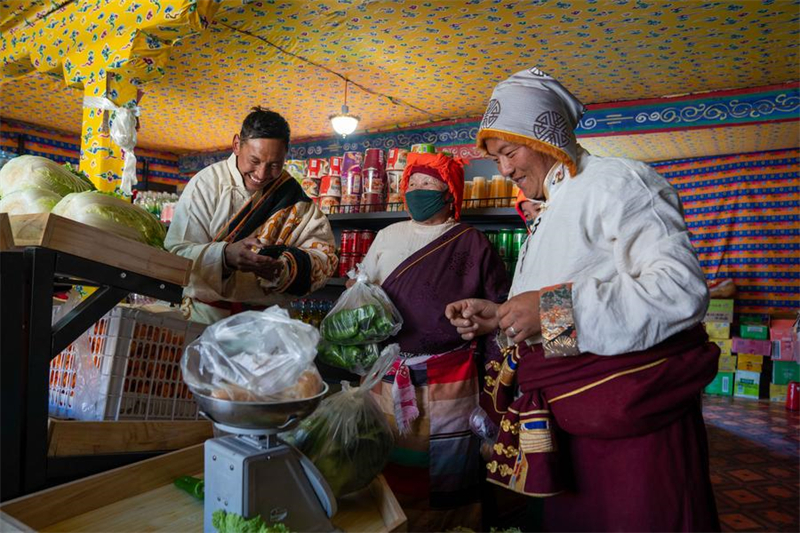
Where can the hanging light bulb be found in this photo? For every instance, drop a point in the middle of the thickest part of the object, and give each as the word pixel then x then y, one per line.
pixel 344 123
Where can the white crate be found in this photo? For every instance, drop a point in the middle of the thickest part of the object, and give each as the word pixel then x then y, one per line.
pixel 138 355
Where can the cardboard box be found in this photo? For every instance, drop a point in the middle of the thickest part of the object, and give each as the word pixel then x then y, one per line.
pixel 757 347
pixel 725 347
pixel 783 338
pixel 727 363
pixel 754 331
pixel 722 384
pixel 718 330
pixel 748 385
pixel 784 372
pixel 750 362
pixel 719 310
pixel 777 393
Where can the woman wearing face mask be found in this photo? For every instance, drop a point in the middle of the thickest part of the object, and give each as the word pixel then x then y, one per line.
pixel 423 264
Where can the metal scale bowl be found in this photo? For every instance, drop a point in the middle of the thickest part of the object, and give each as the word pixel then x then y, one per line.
pixel 253 472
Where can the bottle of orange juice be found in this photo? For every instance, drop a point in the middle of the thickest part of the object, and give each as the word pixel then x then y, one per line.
pixel 467 204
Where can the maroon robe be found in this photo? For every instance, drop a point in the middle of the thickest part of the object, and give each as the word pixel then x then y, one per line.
pixel 615 443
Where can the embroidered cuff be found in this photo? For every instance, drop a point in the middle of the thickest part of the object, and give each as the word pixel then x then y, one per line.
pixel 558 322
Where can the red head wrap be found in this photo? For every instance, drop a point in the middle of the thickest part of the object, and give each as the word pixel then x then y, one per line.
pixel 440 166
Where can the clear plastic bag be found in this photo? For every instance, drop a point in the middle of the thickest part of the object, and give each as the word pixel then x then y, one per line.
pixel 255 356
pixel 482 426
pixel 356 358
pixel 363 314
pixel 348 437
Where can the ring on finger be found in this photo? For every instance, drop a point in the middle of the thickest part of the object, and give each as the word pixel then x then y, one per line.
pixel 511 332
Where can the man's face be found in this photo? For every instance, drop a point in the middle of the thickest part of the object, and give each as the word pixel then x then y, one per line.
pixel 525 166
pixel 260 161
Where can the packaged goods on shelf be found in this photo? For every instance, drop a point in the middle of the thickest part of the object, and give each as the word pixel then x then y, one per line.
pixel 718 330
pixel 316 168
pixel 784 372
pixel 374 159
pixel 335 166
pixel 423 148
pixel 757 347
pixel 722 384
pixel 311 187
pixel 330 186
pixel 783 337
pixel 750 362
pixel 296 168
pixel 396 159
pixel 750 385
pixel 329 204
pixel 777 393
pixel 719 310
pixel 754 327
pixel 725 346
pixel 727 363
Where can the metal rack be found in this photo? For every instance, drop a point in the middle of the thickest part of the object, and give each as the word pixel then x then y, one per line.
pixel 29 278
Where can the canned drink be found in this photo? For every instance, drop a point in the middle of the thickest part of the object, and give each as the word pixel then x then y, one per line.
pixel 346 263
pixel 505 243
pixel 365 240
pixel 491 234
pixel 349 241
pixel 518 239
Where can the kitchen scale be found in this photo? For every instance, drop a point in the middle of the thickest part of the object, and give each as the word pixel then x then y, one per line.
pixel 253 472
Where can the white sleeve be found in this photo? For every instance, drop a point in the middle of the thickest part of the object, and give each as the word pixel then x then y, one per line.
pixel 659 288
pixel 189 236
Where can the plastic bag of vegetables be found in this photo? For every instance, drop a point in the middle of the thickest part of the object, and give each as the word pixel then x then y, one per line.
pixel 255 356
pixel 357 358
pixel 34 172
pixel 112 214
pixel 347 437
pixel 363 314
pixel 28 202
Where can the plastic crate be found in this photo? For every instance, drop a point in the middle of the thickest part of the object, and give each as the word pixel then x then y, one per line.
pixel 138 356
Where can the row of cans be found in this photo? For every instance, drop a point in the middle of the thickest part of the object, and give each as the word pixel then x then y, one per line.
pixel 356 241
pixel 348 262
pixel 372 158
pixel 507 242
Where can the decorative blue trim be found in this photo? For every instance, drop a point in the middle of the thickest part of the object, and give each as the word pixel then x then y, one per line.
pixel 661 115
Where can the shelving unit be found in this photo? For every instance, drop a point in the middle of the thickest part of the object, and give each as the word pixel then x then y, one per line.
pixel 480 217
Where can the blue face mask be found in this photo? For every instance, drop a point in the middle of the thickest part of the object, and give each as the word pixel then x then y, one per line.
pixel 423 204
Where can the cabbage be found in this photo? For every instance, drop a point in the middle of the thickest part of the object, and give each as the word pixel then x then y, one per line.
pixel 112 214
pixel 34 172
pixel 28 202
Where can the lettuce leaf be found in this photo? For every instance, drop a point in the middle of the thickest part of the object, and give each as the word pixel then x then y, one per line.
pixel 28 202
pixel 34 172
pixel 112 214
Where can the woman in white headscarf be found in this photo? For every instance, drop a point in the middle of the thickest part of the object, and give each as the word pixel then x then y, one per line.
pixel 597 395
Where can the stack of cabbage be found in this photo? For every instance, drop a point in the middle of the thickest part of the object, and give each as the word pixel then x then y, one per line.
pixel 31 184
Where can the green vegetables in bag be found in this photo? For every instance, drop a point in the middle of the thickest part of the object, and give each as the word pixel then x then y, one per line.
pixel 356 358
pixel 368 323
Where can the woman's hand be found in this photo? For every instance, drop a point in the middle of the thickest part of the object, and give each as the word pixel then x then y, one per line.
pixel 472 317
pixel 519 317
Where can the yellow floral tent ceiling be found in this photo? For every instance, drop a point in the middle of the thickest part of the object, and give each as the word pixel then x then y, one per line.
pixel 442 57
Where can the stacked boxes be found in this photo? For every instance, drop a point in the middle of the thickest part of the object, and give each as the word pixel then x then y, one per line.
pixel 718 325
pixel 753 351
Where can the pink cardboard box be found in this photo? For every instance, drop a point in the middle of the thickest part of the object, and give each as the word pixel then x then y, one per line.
pixel 741 345
pixel 783 338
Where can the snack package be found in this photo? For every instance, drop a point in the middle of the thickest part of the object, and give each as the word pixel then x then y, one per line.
pixel 363 314
pixel 483 426
pixel 348 438
pixel 255 356
pixel 355 358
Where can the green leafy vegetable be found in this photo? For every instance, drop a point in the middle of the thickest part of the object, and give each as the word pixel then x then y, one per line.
pixel 225 522
pixel 80 173
pixel 29 201
pixel 34 172
pixel 114 215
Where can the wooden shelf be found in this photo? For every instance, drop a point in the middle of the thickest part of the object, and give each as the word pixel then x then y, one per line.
pixel 382 219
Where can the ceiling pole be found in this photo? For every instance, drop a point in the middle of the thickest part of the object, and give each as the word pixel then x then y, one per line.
pixel 101 158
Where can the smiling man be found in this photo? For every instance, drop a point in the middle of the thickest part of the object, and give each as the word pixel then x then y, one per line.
pixel 255 238
pixel 598 394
